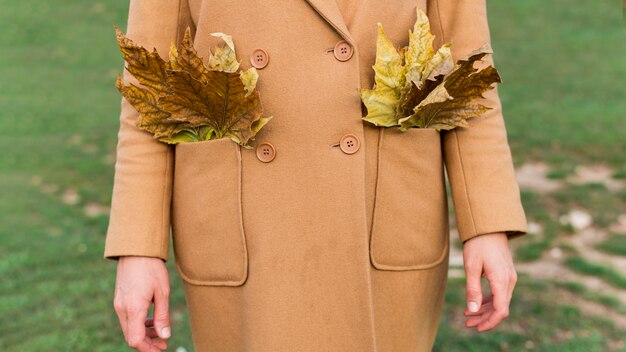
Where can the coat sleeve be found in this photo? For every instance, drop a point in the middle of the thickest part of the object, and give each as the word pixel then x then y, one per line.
pixel 479 166
pixel 139 222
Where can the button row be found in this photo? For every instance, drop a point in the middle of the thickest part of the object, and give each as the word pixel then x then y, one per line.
pixel 349 144
pixel 343 52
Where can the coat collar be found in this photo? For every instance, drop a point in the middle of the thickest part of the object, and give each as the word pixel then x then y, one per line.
pixel 329 10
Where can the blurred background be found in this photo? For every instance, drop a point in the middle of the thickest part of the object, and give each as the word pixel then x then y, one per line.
pixel 563 66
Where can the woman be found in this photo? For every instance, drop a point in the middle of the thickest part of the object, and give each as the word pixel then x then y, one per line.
pixel 331 234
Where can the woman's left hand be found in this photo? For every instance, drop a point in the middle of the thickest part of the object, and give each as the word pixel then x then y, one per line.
pixel 488 256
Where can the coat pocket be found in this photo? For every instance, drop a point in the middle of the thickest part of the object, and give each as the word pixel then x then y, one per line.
pixel 207 224
pixel 409 229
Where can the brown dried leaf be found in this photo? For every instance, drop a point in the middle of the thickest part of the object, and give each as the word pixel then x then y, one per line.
pixel 187 58
pixel 220 103
pixel 147 67
pixel 182 100
pixel 452 101
pixel 153 118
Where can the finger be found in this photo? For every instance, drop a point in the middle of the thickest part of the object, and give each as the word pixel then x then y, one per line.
pixel 120 310
pixel 488 298
pixel 137 314
pixel 155 343
pixel 483 314
pixel 512 282
pixel 149 322
pixel 487 302
pixel 151 333
pixel 159 343
pixel 475 320
pixel 500 290
pixel 483 308
pixel 148 345
pixel 161 313
pixel 473 290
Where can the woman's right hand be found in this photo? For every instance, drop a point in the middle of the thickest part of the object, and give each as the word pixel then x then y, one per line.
pixel 140 282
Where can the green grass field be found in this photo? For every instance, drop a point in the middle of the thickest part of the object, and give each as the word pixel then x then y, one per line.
pixel 563 65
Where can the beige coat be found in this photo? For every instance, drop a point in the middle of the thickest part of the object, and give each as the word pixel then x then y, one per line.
pixel 334 235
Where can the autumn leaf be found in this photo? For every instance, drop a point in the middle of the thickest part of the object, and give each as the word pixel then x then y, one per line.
pixel 147 67
pixel 153 117
pixel 184 100
pixel 415 86
pixel 451 102
pixel 224 58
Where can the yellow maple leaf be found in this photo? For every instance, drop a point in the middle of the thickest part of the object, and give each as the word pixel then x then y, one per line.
pixel 418 87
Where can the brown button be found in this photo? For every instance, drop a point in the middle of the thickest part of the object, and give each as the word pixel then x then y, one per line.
pixel 349 143
pixel 259 58
pixel 265 152
pixel 343 50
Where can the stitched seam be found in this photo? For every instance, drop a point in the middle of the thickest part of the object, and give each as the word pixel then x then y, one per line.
pixel 456 138
pixel 178 32
pixel 469 204
pixel 163 202
pixel 242 230
pixel 375 263
pixel 443 35
pixel 164 206
pixel 376 193
pixel 347 36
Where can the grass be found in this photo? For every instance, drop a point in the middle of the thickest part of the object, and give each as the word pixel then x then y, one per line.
pixel 589 295
pixel 563 79
pixel 532 249
pixel 615 244
pixel 584 266
pixel 56 293
pixel 539 320
pixel 562 92
pixel 601 202
pixel 59 65
pixel 533 246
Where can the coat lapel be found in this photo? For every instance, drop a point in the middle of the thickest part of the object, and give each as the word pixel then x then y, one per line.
pixel 329 10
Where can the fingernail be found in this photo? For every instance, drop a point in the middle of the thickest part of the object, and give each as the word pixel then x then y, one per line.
pixel 165 332
pixel 473 307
